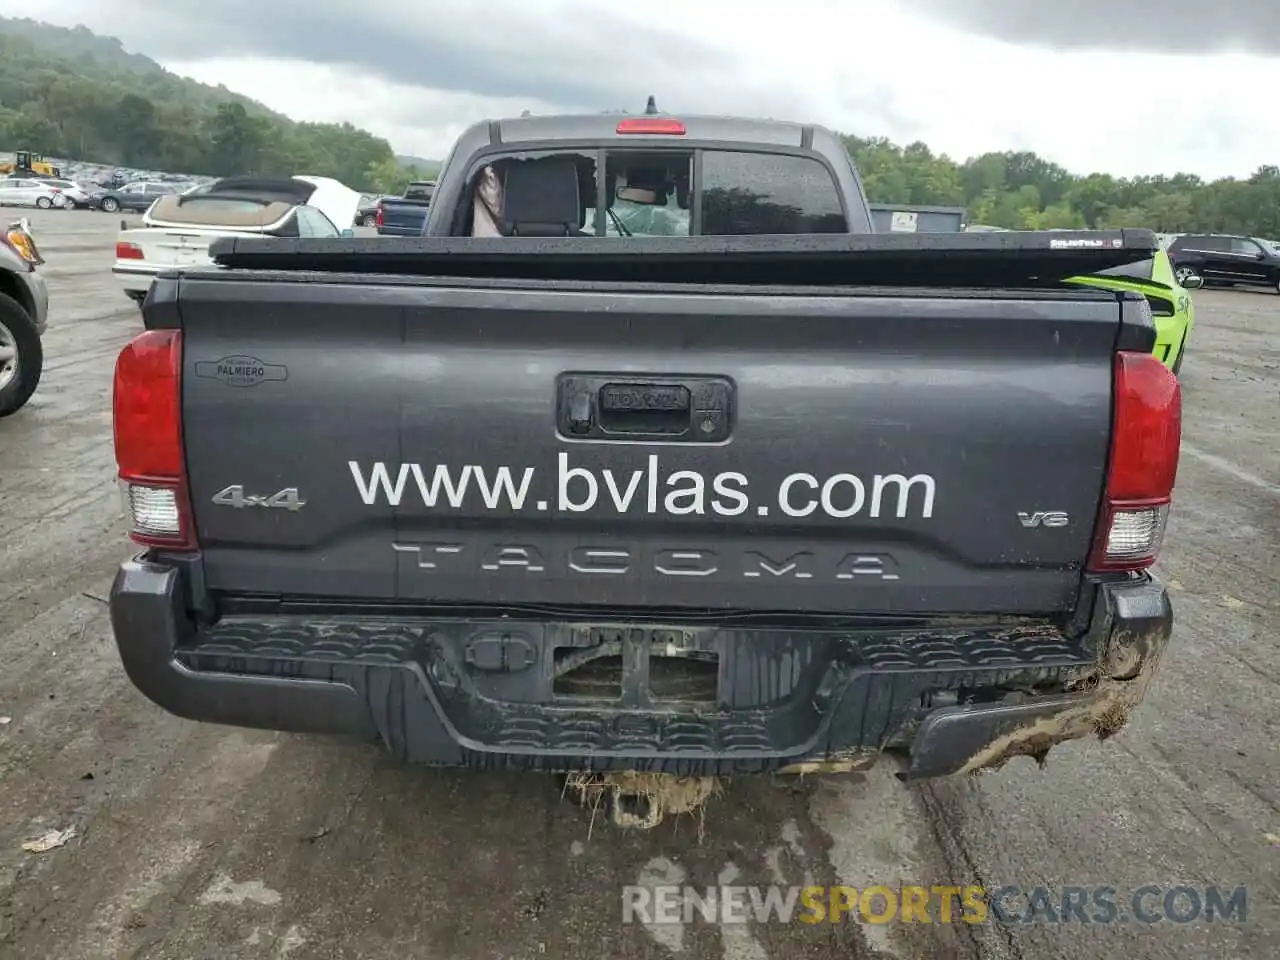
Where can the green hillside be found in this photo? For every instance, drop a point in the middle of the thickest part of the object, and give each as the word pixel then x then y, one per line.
pixel 71 93
pixel 421 163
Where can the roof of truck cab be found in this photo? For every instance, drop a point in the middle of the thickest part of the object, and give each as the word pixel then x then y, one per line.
pixel 603 126
pixel 592 131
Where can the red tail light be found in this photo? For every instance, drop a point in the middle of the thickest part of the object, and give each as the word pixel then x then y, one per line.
pixel 652 125
pixel 1146 435
pixel 377 216
pixel 128 251
pixel 147 409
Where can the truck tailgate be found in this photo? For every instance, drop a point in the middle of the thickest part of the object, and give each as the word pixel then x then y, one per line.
pixel 524 443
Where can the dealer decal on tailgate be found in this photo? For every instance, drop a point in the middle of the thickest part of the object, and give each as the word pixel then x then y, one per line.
pixel 651 491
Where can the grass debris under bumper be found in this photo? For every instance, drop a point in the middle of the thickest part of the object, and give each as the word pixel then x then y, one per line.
pixel 641 801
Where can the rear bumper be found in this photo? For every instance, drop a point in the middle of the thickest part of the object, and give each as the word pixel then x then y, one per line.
pixel 459 691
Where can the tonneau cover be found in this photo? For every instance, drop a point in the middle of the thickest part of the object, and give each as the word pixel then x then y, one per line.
pixel 981 260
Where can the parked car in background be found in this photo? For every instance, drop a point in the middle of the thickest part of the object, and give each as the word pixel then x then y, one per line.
pixel 24 192
pixel 177 231
pixel 24 315
pixel 405 216
pixel 136 196
pixel 78 196
pixel 367 212
pixel 1226 258
pixel 1172 308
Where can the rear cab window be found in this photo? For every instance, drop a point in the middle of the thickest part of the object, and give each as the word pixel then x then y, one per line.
pixel 754 193
pixel 657 192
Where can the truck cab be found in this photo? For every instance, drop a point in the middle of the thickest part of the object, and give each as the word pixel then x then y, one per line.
pixel 653 175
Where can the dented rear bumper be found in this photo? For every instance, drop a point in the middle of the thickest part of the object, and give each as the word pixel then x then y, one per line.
pixel 466 691
pixel 1131 627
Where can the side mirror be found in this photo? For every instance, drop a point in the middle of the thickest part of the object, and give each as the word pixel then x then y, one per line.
pixel 1259 255
pixel 1192 283
pixel 347 233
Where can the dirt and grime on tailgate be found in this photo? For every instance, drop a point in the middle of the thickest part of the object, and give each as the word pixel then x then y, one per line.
pixel 151 837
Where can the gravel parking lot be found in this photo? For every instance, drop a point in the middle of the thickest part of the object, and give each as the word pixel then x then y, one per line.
pixel 205 842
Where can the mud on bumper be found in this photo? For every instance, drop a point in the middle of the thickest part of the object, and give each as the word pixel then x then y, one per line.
pixel 687 700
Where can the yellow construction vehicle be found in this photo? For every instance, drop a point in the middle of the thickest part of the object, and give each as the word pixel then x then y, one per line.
pixel 24 161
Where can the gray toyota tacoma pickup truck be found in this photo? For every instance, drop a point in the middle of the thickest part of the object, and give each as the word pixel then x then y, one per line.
pixel 683 470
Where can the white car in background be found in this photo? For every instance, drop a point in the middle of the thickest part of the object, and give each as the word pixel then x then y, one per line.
pixel 23 192
pixel 77 195
pixel 178 228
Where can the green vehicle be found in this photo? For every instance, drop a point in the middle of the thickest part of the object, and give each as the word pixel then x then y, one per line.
pixel 1171 304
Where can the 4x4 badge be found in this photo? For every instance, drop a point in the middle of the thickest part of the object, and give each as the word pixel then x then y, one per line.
pixel 234 496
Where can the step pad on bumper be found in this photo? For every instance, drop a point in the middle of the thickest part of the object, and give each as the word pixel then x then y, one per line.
pixel 469 692
pixel 780 697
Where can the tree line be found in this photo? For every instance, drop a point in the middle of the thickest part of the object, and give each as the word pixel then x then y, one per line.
pixel 70 93
pixel 1022 191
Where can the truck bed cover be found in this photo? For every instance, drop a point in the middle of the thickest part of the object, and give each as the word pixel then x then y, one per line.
pixel 976 260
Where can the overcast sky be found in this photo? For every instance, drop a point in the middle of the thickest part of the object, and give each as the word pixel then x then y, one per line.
pixel 1123 86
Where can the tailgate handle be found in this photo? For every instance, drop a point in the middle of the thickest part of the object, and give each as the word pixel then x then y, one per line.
pixel 623 407
pixel 645 408
pixel 649 408
pixel 645 398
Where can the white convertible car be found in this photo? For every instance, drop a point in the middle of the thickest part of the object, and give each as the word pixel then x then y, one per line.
pixel 177 229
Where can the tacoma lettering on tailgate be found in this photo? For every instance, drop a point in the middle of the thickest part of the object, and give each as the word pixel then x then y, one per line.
pixel 667 562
